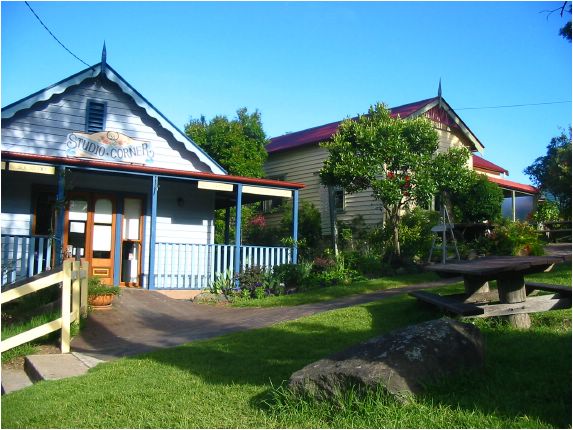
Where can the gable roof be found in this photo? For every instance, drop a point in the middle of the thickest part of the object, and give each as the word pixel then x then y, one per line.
pixel 105 70
pixel 482 163
pixel 324 132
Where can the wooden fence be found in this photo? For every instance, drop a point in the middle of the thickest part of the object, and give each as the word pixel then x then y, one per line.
pixel 73 277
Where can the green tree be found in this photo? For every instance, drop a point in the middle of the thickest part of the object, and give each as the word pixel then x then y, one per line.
pixel 565 31
pixel 396 158
pixel 237 144
pixel 480 200
pixel 552 172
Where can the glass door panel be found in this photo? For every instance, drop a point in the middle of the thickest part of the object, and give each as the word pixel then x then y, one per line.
pixel 131 243
pixel 78 216
pixel 102 230
pixel 131 218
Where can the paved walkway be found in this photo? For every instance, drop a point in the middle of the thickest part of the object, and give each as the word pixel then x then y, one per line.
pixel 142 320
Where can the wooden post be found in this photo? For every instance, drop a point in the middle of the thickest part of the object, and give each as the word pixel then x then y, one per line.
pixel 76 285
pixel 512 290
pixel 294 258
pixel 84 270
pixel 332 219
pixel 475 285
pixel 66 298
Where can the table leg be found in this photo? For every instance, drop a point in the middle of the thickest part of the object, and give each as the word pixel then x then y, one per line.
pixel 475 285
pixel 512 290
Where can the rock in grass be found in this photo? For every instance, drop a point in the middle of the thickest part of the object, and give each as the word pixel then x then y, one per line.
pixel 209 298
pixel 400 361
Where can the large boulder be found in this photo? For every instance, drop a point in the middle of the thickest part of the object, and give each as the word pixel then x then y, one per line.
pixel 400 361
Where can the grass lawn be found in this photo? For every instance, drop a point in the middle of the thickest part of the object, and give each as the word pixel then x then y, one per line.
pixel 234 380
pixel 338 291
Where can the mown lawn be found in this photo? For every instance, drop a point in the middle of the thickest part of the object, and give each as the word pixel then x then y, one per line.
pixel 235 380
pixel 330 293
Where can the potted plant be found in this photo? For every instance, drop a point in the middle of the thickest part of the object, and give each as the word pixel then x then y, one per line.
pixel 100 296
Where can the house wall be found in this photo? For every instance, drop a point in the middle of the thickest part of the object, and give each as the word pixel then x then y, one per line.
pixel 17 209
pixel 43 129
pixel 303 164
pixel 192 222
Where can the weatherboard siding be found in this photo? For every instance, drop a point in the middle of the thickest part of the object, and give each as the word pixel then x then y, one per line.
pixel 303 164
pixel 299 165
pixel 43 128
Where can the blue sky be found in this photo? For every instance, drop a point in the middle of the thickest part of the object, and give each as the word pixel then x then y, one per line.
pixel 305 64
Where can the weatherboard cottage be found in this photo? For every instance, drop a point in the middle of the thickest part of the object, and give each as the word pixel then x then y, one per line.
pixel 298 156
pixel 92 170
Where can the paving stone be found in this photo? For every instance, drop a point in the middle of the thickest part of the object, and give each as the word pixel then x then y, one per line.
pixel 49 367
pixel 14 380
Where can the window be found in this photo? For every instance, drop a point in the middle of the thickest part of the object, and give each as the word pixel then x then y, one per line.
pixel 95 116
pixel 269 205
pixel 339 199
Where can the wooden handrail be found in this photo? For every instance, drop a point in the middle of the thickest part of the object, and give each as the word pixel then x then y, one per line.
pixel 73 276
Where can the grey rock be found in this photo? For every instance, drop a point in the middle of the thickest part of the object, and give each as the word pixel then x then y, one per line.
pixel 209 298
pixel 400 361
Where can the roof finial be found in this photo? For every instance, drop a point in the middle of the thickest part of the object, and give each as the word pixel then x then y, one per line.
pixel 440 89
pixel 103 58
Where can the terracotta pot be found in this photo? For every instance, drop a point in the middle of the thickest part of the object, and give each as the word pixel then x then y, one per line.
pixel 100 302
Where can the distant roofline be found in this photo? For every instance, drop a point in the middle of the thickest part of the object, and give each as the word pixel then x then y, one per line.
pixel 484 164
pixel 324 132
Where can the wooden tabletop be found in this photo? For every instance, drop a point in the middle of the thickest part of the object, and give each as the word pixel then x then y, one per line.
pixel 489 266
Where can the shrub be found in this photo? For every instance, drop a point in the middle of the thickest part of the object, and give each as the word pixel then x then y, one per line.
pixel 515 238
pixel 97 288
pixel 367 264
pixel 293 275
pixel 256 282
pixel 322 264
pixel 546 211
pixel 416 234
pixel 222 284
pixel 479 201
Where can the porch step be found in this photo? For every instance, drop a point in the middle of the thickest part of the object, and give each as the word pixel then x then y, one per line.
pixel 50 367
pixel 46 367
pixel 14 380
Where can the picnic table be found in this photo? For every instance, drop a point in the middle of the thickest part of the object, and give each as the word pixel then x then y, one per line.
pixel 511 291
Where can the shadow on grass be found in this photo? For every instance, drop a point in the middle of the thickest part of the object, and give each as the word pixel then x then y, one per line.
pixel 526 373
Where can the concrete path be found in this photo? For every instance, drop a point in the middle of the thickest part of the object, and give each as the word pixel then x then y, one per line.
pixel 142 320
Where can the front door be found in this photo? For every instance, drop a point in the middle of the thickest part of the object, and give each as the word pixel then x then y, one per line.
pixel 90 232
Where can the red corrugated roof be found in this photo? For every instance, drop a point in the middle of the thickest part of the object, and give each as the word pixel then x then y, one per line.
pixel 325 132
pixel 510 185
pixel 487 165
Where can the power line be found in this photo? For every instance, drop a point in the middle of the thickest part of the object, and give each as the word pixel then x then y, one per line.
pixel 55 38
pixel 511 106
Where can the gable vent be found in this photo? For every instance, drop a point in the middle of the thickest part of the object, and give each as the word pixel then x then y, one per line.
pixel 95 117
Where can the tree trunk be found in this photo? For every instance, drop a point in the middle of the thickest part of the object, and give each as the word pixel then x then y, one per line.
pixel 396 238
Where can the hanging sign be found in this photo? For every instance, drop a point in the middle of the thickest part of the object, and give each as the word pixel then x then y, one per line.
pixel 109 146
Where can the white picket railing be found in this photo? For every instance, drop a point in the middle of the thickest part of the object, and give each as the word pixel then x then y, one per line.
pixel 194 266
pixel 24 256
